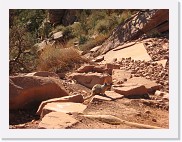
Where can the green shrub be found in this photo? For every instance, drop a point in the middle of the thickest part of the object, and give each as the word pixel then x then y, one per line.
pixel 68 33
pixel 82 39
pixel 102 27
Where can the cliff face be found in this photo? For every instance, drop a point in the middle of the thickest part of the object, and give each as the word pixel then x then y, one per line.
pixel 62 16
pixel 143 22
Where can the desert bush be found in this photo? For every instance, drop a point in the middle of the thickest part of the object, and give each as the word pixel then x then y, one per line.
pixel 83 39
pixel 59 60
pixel 68 33
pixel 22 57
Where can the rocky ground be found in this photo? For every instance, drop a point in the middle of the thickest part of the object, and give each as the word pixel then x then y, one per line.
pixel 123 110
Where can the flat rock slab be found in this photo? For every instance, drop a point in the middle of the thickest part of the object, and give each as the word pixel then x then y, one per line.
pixel 90 79
pixel 136 52
pixel 132 90
pixel 67 107
pixel 56 120
pixel 85 68
pixel 100 98
pixel 120 75
pixel 73 98
pixel 150 85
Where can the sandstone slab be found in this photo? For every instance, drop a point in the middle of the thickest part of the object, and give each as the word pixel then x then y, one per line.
pixel 56 120
pixel 92 68
pixel 64 107
pixel 73 98
pixel 150 85
pixel 85 69
pixel 100 69
pixel 109 96
pixel 98 98
pixel 132 90
pixel 136 52
pixel 90 79
pixel 26 92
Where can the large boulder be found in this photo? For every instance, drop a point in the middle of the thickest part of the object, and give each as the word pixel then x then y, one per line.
pixel 26 92
pixel 90 79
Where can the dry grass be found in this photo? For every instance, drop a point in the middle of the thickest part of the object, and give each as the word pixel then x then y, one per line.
pixel 59 59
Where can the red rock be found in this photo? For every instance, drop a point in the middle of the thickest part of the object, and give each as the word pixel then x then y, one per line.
pixel 90 79
pixel 97 98
pixel 110 67
pixel 92 68
pixel 120 75
pixel 56 120
pixel 132 90
pixel 109 96
pixel 26 92
pixel 99 69
pixel 65 107
pixel 85 69
pixel 136 52
pixel 73 98
pixel 150 85
pixel 98 59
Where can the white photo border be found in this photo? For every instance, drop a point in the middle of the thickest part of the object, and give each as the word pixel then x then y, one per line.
pixel 171 133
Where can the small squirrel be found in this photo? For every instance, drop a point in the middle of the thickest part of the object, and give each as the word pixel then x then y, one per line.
pixel 98 89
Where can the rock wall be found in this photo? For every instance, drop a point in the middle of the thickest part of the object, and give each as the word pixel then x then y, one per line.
pixel 62 16
pixel 134 27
